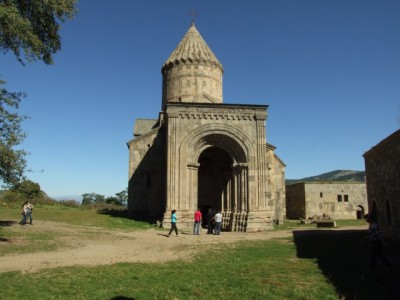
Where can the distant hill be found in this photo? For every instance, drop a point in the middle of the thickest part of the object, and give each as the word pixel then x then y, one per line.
pixel 338 175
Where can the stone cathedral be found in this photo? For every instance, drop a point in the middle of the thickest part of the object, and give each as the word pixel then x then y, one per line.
pixel 202 153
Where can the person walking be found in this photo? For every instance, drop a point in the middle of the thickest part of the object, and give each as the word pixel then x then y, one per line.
pixel 210 219
pixel 374 236
pixel 197 222
pixel 218 221
pixel 173 223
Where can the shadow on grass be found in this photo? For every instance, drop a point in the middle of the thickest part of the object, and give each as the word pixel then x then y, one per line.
pixel 114 213
pixel 123 213
pixel 343 258
pixel 7 223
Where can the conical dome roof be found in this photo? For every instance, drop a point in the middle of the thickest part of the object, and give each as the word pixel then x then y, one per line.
pixel 192 49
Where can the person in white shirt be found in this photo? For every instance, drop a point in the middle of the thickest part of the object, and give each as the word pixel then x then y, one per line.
pixel 28 212
pixel 218 221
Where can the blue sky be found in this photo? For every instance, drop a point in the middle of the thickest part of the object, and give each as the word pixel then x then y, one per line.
pixel 329 71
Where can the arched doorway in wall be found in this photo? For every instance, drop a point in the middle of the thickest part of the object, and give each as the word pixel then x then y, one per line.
pixel 215 171
pixel 218 170
pixel 360 212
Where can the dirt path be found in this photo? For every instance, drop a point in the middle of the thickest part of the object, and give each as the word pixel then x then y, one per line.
pixel 94 246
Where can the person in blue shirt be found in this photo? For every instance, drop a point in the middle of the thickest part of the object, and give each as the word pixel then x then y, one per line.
pixel 173 223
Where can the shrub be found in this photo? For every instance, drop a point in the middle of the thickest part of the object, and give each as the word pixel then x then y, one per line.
pixel 10 198
pixel 69 203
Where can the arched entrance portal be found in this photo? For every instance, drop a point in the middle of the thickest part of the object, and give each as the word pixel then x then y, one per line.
pixel 223 186
pixel 215 171
pixel 217 175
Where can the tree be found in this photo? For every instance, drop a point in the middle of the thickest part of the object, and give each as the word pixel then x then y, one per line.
pixel 12 161
pixel 29 29
pixel 28 189
pixel 122 197
pixel 92 198
pixel 33 26
pixel 88 198
pixel 113 200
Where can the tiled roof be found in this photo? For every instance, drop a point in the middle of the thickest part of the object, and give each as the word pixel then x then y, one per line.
pixel 192 49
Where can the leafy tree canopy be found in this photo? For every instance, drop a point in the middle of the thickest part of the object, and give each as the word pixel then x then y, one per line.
pixel 122 197
pixel 30 29
pixel 12 162
pixel 33 27
pixel 28 189
pixel 92 198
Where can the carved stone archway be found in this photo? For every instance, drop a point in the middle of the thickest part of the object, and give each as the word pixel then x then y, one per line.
pixel 220 173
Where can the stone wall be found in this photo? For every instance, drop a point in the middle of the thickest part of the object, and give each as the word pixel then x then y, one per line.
pixel 192 83
pixel 146 186
pixel 339 200
pixel 295 201
pixel 239 130
pixel 382 167
pixel 276 184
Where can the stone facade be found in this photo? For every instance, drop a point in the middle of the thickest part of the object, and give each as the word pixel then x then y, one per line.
pixel 203 153
pixel 382 168
pixel 339 200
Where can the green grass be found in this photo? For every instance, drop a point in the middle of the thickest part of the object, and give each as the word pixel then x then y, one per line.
pixel 346 223
pixel 245 271
pixel 313 264
pixel 77 216
pixel 277 269
pixel 26 239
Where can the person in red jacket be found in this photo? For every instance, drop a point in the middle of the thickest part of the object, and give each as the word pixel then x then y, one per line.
pixel 197 222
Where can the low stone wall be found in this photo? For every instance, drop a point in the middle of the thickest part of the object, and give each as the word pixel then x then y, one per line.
pixel 328 223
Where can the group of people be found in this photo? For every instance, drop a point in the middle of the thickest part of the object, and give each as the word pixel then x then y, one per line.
pixel 214 222
pixel 26 213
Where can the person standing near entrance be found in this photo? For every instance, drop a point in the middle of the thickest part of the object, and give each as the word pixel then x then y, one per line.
pixel 197 222
pixel 218 221
pixel 210 218
pixel 173 223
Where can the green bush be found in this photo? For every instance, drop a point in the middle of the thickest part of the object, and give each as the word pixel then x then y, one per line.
pixel 10 198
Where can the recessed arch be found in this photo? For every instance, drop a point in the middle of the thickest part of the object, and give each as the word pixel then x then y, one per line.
pixel 215 171
pixel 228 137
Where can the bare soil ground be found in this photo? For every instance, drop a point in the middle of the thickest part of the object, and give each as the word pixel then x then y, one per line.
pixel 95 246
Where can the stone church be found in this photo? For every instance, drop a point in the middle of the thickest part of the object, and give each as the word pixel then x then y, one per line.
pixel 202 153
